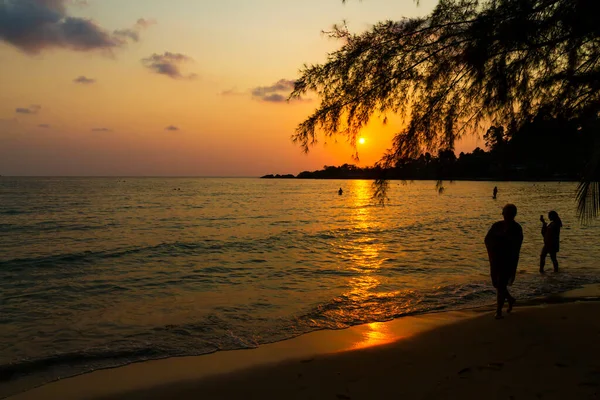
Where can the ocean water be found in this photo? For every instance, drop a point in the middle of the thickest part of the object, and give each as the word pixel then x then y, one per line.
pixel 101 272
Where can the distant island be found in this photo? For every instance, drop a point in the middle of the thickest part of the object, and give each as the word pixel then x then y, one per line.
pixel 271 176
pixel 539 152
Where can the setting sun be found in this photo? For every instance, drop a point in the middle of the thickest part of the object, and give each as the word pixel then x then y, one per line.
pixel 361 140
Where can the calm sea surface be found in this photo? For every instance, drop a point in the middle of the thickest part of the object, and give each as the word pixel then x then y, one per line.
pixel 99 272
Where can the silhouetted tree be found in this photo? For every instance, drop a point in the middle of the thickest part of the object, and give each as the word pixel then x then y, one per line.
pixel 494 138
pixel 467 62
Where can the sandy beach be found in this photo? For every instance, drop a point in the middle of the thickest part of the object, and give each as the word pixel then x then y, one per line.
pixel 537 352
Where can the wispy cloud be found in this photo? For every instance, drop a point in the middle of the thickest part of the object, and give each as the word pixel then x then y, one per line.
pixel 231 92
pixel 274 98
pixel 128 34
pixel 101 130
pixel 84 80
pixel 168 64
pixel 171 128
pixel 31 110
pixel 135 32
pixel 44 126
pixel 275 93
pixel 36 25
pixel 144 23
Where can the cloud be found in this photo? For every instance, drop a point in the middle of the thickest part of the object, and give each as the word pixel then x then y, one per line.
pixel 44 126
pixel 84 81
pixel 231 92
pixel 276 93
pixel 36 25
pixel 101 130
pixel 143 23
pixel 274 98
pixel 128 34
pixel 168 64
pixel 31 110
pixel 171 128
pixel 134 33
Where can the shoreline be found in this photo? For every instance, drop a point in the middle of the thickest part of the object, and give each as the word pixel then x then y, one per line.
pixel 143 379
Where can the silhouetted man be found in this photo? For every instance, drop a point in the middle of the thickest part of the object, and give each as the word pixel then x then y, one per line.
pixel 503 243
pixel 495 191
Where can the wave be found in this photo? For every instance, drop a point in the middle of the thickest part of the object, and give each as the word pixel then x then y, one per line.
pixel 10 371
pixel 351 309
pixel 49 226
pixel 90 257
pixel 284 240
pixel 13 212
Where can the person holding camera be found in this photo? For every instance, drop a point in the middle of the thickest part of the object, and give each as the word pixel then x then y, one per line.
pixel 551 234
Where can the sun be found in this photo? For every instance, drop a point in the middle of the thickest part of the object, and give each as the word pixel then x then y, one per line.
pixel 362 140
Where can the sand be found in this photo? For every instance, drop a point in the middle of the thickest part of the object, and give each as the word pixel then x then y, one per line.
pixel 537 352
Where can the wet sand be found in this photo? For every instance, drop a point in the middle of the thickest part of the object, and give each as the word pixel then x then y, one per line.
pixel 537 352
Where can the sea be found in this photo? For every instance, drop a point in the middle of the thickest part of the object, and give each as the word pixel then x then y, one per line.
pixel 102 272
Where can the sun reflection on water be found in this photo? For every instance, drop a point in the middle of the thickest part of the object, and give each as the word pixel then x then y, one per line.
pixel 363 252
pixel 367 293
pixel 366 259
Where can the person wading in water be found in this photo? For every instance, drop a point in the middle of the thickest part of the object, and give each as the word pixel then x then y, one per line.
pixel 551 234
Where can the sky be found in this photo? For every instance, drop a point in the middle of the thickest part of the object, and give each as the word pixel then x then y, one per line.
pixel 171 87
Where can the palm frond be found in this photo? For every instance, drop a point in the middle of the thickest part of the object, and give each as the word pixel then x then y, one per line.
pixel 588 191
pixel 588 200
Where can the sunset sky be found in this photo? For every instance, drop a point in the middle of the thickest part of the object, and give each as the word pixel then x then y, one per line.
pixel 170 87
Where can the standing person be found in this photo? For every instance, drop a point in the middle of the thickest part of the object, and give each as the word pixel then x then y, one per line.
pixel 503 243
pixel 551 234
pixel 495 191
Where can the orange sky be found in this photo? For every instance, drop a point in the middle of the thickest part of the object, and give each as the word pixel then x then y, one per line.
pixel 178 87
